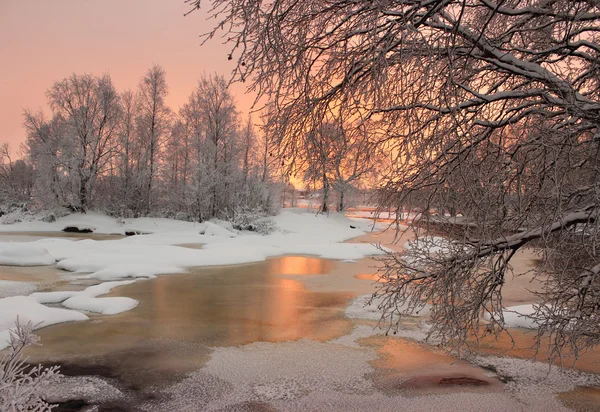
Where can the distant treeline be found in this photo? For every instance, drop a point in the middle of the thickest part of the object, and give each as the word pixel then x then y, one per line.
pixel 131 155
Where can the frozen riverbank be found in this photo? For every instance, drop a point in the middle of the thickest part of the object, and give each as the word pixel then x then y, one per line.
pixel 157 252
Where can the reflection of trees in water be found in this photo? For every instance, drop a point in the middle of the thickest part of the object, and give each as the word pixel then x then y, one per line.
pixel 237 305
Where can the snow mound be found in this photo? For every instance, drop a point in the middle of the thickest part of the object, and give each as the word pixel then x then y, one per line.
pixel 52 297
pixel 28 310
pixel 24 254
pixel 89 301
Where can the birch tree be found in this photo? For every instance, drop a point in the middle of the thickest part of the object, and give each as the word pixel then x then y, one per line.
pixel 79 141
pixel 153 125
pixel 491 108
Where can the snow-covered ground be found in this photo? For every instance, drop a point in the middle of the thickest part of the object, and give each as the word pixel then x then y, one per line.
pixel 155 253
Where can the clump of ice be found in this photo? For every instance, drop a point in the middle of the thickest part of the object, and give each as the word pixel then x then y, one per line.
pixel 433 244
pixel 309 376
pixel 24 254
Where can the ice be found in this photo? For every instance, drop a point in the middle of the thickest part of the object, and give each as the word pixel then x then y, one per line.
pixel 14 288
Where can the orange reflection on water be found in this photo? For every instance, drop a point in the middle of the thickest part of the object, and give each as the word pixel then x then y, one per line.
pixel 297 265
pixel 180 317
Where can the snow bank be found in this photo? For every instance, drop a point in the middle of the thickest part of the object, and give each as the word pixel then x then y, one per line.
pixel 149 255
pixel 130 270
pixel 517 317
pixel 102 224
pixel 32 308
pixel 24 254
pixel 29 310
pixel 52 297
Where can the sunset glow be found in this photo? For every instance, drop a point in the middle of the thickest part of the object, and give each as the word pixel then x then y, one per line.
pixel 44 41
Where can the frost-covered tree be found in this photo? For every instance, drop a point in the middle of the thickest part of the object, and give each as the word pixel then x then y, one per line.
pixel 22 385
pixel 77 144
pixel 153 124
pixel 212 114
pixel 16 177
pixel 490 108
pixel 128 154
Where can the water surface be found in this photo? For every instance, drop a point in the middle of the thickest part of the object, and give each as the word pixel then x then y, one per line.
pixel 181 317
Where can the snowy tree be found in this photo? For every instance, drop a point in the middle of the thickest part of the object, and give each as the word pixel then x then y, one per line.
pixel 490 108
pixel 16 177
pixel 82 140
pixel 153 125
pixel 212 114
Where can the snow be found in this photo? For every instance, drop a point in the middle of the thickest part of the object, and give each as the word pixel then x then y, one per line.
pixel 89 301
pixel 535 382
pixel 157 253
pixel 29 310
pixel 517 317
pixel 24 254
pixel 52 297
pixel 306 375
pixel 32 308
pixel 102 224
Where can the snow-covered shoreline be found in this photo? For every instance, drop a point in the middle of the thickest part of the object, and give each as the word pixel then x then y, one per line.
pixel 157 253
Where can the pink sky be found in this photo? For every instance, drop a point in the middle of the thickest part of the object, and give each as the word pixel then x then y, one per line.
pixel 42 41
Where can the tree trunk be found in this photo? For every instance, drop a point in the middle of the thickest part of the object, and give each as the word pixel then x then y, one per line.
pixel 324 206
